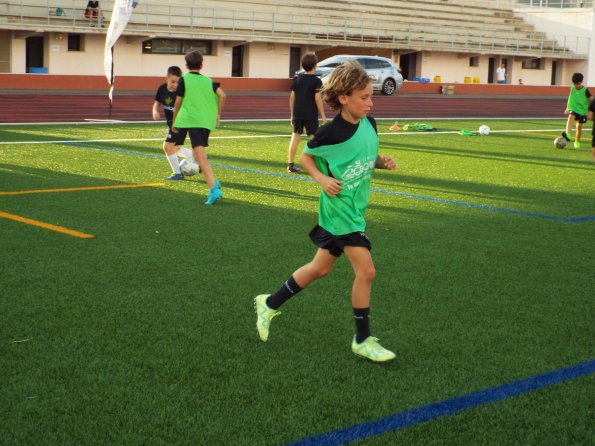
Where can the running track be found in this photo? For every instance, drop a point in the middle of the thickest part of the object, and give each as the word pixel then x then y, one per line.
pixel 28 108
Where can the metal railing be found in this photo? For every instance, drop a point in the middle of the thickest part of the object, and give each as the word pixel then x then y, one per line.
pixel 166 20
pixel 585 4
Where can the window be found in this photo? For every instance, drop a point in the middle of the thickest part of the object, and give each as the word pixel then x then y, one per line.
pixel 75 42
pixel 533 64
pixel 177 46
pixel 474 61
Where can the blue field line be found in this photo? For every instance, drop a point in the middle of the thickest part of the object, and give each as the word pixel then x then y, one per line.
pixel 380 191
pixel 451 406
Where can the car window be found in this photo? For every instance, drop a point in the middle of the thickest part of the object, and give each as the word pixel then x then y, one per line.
pixel 373 64
pixel 385 64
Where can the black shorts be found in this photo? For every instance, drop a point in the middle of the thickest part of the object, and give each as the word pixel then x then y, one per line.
pixel 311 126
pixel 198 137
pixel 579 118
pixel 336 243
pixel 176 138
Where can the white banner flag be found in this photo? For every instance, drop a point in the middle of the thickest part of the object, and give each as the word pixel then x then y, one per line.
pixel 120 16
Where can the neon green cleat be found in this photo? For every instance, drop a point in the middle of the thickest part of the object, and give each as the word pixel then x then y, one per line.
pixel 264 314
pixel 577 144
pixel 372 350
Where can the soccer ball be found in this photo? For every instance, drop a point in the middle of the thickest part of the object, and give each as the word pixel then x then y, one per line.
pixel 560 142
pixel 484 130
pixel 188 168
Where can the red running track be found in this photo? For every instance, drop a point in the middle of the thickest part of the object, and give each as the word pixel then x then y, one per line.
pixel 31 108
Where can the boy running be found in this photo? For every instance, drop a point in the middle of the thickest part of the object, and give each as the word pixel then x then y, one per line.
pixel 341 158
pixel 197 111
pixel 305 104
pixel 577 108
pixel 592 118
pixel 166 97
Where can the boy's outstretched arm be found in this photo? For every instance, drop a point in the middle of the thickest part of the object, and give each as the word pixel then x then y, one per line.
pixel 156 115
pixel 291 106
pixel 385 162
pixel 328 184
pixel 320 106
pixel 222 96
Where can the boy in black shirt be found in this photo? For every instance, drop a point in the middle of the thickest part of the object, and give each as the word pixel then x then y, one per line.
pixel 304 105
pixel 166 97
pixel 592 118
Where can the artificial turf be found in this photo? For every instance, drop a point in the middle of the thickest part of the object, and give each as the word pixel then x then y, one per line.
pixel 145 333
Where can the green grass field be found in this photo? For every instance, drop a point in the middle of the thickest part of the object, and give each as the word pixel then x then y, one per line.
pixel 145 333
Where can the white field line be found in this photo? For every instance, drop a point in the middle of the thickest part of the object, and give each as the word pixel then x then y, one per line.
pixel 115 121
pixel 451 132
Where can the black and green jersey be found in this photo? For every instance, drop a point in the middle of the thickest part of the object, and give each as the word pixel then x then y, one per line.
pixel 350 160
pixel 578 100
pixel 200 105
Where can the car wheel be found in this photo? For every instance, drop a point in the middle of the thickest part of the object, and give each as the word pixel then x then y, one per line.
pixel 388 87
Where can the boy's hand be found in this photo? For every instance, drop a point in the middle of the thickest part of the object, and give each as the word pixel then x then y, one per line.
pixel 566 112
pixel 386 162
pixel 330 185
pixel 156 115
pixel 174 130
pixel 323 120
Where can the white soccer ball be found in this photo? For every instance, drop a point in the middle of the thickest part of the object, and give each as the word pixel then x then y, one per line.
pixel 560 142
pixel 188 168
pixel 484 130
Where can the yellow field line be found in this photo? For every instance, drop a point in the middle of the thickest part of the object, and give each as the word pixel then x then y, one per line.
pixel 76 189
pixel 44 225
pixel 543 135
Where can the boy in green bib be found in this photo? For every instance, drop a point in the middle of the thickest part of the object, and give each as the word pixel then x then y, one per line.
pixel 577 108
pixel 341 158
pixel 198 106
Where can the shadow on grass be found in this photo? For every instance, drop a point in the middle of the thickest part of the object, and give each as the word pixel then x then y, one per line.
pixel 495 156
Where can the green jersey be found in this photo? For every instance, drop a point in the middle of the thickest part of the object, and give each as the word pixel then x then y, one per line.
pixel 200 104
pixel 352 162
pixel 578 100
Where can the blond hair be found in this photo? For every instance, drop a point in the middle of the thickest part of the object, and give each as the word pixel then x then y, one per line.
pixel 346 78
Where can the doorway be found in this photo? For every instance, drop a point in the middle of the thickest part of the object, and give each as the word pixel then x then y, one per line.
pixel 554 70
pixel 408 65
pixel 237 61
pixel 491 70
pixel 34 52
pixel 295 56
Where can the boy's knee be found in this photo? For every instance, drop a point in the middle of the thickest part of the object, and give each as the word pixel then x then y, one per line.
pixel 321 271
pixel 368 273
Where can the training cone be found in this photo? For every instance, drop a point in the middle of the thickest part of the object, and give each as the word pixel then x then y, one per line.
pixel 395 126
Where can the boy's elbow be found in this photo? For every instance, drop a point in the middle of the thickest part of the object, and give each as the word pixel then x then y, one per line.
pixel 304 158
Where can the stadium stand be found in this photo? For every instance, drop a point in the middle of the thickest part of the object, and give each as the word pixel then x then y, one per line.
pixel 448 25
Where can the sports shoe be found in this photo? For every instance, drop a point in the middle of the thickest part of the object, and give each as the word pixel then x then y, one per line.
pixel 175 177
pixel 293 169
pixel 217 184
pixel 566 137
pixel 214 195
pixel 371 350
pixel 577 144
pixel 264 314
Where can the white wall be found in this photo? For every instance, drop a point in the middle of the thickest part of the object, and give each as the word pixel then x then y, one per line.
pixel 18 56
pixel 267 60
pixel 451 68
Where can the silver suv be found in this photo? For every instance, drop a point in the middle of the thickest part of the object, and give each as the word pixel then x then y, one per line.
pixel 386 76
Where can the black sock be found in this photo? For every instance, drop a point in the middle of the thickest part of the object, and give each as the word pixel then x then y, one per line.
pixel 287 290
pixel 290 164
pixel 362 323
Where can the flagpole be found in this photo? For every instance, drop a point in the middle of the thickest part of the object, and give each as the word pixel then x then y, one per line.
pixel 111 85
